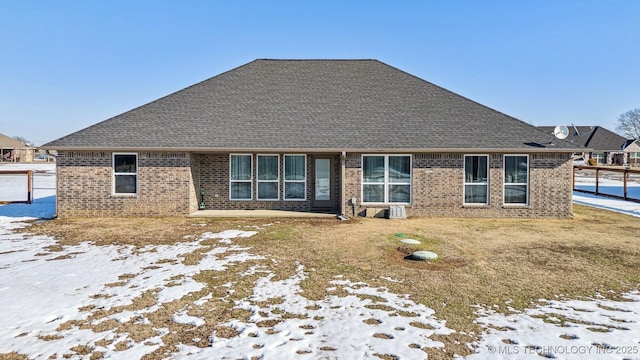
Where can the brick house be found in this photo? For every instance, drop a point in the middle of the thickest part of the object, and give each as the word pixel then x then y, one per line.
pixel 314 135
pixel 12 150
pixel 632 151
pixel 601 144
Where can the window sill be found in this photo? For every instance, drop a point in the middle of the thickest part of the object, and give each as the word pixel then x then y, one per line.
pixel 384 204
pixel 124 195
pixel 476 206
pixel 515 206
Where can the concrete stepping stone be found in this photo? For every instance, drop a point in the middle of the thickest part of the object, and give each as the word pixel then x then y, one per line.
pixel 423 255
pixel 410 241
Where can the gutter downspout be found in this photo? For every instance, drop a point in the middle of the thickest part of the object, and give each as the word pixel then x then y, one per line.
pixel 343 158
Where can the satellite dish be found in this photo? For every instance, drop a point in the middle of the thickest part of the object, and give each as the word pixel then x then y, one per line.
pixel 561 132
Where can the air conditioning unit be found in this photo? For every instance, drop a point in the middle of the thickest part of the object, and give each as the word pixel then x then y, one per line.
pixel 397 212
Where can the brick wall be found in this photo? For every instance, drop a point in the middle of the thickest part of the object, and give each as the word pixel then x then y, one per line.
pixel 170 183
pixel 437 187
pixel 214 180
pixel 85 180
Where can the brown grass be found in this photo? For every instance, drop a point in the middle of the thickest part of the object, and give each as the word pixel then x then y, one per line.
pixel 12 356
pixel 486 262
pixel 139 231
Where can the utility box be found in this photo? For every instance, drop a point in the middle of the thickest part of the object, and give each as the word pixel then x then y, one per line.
pixel 397 212
pixel 375 212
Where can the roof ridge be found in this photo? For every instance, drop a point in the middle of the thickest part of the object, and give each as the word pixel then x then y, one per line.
pixel 317 59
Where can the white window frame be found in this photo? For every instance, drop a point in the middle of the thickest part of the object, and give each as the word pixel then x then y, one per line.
pixel 465 183
pixel 231 181
pixel 285 181
pixel 258 181
pixel 116 174
pixel 387 181
pixel 504 185
pixel 600 158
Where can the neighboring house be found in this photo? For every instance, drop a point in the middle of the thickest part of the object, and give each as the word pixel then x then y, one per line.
pixel 314 135
pixel 12 150
pixel 607 147
pixel 632 150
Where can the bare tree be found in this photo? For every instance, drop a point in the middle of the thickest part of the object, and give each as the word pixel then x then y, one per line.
pixel 629 123
pixel 23 140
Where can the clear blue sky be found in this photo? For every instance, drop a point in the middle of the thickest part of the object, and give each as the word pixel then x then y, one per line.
pixel 66 65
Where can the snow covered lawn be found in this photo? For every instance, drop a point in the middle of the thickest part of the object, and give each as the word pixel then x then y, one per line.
pixel 119 301
pixel 54 302
pixel 48 296
pixel 594 328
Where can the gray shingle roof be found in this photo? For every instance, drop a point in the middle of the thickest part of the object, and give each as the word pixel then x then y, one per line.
pixel 593 137
pixel 321 105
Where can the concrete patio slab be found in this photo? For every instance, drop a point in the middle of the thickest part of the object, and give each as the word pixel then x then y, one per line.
pixel 259 213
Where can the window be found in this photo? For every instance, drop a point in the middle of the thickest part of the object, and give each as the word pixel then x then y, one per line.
pixel 476 179
pixel 386 179
pixel 295 177
pixel 634 155
pixel 125 173
pixel 241 182
pixel 599 157
pixel 516 179
pixel 268 177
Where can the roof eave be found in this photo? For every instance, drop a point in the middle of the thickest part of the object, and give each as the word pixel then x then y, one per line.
pixel 549 149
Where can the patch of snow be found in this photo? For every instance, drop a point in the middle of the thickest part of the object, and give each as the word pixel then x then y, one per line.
pixel 595 328
pixel 183 318
pixel 203 300
pixel 334 327
pixel 621 206
pixel 228 234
